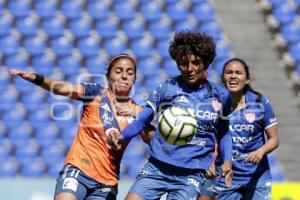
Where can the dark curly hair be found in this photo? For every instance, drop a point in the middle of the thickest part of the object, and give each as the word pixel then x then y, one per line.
pixel 195 43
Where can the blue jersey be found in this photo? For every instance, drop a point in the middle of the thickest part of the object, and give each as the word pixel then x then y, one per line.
pixel 206 104
pixel 247 127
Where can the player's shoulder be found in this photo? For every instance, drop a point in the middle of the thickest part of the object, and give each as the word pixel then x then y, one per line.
pixel 219 90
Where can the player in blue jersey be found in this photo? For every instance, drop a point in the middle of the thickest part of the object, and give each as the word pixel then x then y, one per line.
pixel 251 118
pixel 179 170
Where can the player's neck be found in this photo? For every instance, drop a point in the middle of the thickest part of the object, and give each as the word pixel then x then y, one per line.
pixel 238 101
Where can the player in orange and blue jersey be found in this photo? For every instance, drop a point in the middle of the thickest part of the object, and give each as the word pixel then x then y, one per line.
pixel 92 165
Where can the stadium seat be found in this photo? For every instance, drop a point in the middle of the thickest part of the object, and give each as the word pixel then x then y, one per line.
pixel 71 9
pixel 27 27
pixel 134 29
pixel 98 10
pixel 40 118
pixel 149 67
pixel 8 100
pixel 5 152
pixel 80 28
pixel 46 134
pixel 23 131
pixel 69 65
pixel 151 11
pixel 26 153
pixel 88 47
pixel 294 50
pixel 124 11
pixel 33 169
pixel 54 27
pixel 107 28
pixel 53 169
pixel 32 101
pixel 170 68
pixel 9 45
pixel 62 46
pixel 13 117
pixel 9 168
pixel 223 50
pixel 43 65
pixel 204 12
pixel 177 11
pixel 45 9
pixel 96 65
pixel 212 28
pixel 35 46
pixel 68 134
pixel 114 46
pixel 5 25
pixel 53 154
pixel 160 30
pixel 162 47
pixel 142 48
pixel 18 61
pixel 23 86
pixel 19 9
pixel 284 13
pixel 291 32
pixel 189 24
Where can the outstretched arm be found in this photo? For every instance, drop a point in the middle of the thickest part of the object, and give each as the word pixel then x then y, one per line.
pixel 74 91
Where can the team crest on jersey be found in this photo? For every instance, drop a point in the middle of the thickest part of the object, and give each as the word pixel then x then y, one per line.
pixel 250 117
pixel 106 107
pixel 183 99
pixel 216 105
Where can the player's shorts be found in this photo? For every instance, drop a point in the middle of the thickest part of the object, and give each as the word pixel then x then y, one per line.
pixel 208 187
pixel 72 180
pixel 260 190
pixel 157 178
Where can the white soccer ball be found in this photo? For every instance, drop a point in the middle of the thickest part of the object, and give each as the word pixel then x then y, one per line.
pixel 177 126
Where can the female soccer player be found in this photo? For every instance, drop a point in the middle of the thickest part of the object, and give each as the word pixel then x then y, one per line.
pixel 92 165
pixel 251 117
pixel 178 170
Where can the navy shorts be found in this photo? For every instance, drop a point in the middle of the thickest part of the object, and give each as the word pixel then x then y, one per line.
pixel 158 178
pixel 74 181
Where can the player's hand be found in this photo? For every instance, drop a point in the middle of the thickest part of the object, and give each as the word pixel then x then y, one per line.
pixel 227 172
pixel 114 138
pixel 125 110
pixel 25 75
pixel 255 156
pixel 211 172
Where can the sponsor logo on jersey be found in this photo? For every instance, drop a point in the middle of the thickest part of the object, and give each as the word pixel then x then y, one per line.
pixel 106 107
pixel 197 142
pixel 203 114
pixel 240 139
pixel 250 117
pixel 70 183
pixel 107 119
pixel 242 127
pixel 216 105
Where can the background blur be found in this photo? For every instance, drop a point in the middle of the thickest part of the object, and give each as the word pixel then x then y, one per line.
pixel 71 40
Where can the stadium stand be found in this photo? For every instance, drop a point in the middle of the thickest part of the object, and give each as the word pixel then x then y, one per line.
pixel 64 38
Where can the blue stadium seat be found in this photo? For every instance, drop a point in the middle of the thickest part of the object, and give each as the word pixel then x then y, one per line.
pixel 68 134
pixel 107 28
pixel 9 168
pixel 69 65
pixel 19 9
pixel 71 9
pixel 223 49
pixel 275 3
pixel 5 151
pixel 26 153
pixel 204 12
pixel 114 46
pixel 8 100
pixel 5 26
pixel 170 68
pixel 40 118
pixel 18 61
pixel 177 11
pixel 218 65
pixel 213 29
pixel 47 134
pixel 142 48
pixel 32 101
pixel 162 47
pixel 23 86
pixel 160 30
pixel 43 65
pixel 9 45
pixel 149 67
pixel 45 9
pixel 22 131
pixel 291 32
pixel 284 13
pixel 33 169
pixel 186 25
pixel 88 47
pixel 152 83
pixel 53 27
pixel 35 46
pixel 53 169
pixel 96 65
pixel 151 11
pixel 53 154
pixel 62 46
pixel 134 29
pixel 124 11
pixel 98 10
pixel 294 50
pixel 13 117
pixel 80 28
pixel 27 27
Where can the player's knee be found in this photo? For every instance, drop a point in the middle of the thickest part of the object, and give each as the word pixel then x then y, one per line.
pixel 65 196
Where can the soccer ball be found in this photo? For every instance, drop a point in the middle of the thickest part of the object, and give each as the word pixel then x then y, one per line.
pixel 177 126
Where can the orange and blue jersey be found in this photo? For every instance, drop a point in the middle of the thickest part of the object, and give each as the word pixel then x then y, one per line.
pixel 90 151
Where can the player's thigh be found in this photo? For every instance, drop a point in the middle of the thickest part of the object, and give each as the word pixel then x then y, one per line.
pixel 184 191
pixel 65 196
pixel 261 191
pixel 133 196
pixel 101 194
pixel 228 193
pixel 207 189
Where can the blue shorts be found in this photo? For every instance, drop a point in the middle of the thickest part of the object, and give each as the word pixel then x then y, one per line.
pixel 208 187
pixel 158 178
pixel 253 191
pixel 74 181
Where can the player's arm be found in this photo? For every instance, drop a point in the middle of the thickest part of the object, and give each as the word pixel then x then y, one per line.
pixel 147 133
pixel 74 91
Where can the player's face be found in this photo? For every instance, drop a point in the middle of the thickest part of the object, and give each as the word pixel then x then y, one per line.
pixel 122 76
pixel 235 77
pixel 192 70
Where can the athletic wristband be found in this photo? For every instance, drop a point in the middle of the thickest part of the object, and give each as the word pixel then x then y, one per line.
pixel 39 79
